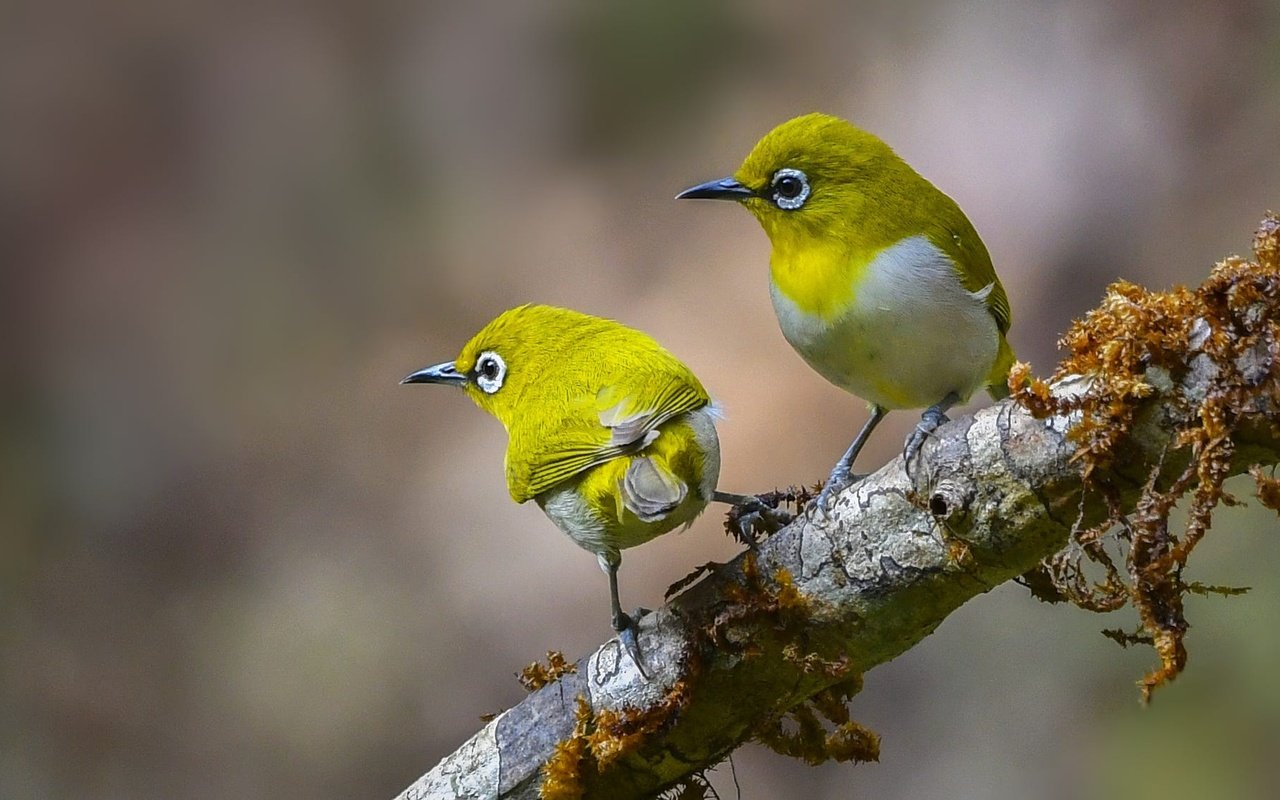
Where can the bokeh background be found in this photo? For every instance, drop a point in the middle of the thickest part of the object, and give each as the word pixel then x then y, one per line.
pixel 239 560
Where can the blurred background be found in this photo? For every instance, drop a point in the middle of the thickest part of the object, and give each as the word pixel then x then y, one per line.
pixel 239 560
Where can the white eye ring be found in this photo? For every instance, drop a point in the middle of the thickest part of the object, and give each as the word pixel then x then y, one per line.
pixel 490 372
pixel 795 201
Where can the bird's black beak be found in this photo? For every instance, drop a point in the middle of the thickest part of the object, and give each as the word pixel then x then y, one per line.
pixel 719 189
pixel 441 373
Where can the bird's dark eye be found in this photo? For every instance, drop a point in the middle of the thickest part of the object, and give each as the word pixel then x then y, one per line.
pixel 790 188
pixel 490 371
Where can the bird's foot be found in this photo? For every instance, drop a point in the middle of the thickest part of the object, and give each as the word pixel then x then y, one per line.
pixel 932 419
pixel 754 516
pixel 758 517
pixel 842 477
pixel 628 636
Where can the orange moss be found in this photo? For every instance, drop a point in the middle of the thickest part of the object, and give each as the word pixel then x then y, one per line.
pixel 752 598
pixel 959 552
pixel 757 596
pixel 614 737
pixel 786 594
pixel 601 738
pixel 799 733
pixel 1268 488
pixel 535 675
pixel 562 777
pixel 779 598
pixel 1226 335
pixel 811 663
pixel 618 733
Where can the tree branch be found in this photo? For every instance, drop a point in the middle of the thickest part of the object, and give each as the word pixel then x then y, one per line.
pixel 825 600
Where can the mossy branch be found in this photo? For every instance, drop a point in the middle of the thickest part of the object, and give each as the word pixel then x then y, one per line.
pixel 1162 396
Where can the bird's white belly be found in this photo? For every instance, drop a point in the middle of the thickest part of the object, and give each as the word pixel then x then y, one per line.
pixel 913 333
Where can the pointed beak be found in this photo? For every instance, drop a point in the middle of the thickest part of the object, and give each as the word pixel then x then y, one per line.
pixel 719 189
pixel 440 373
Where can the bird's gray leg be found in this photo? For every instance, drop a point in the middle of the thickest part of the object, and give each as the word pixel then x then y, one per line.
pixel 623 624
pixel 933 417
pixel 842 475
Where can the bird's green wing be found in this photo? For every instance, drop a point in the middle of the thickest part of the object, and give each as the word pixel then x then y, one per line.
pixel 956 236
pixel 600 425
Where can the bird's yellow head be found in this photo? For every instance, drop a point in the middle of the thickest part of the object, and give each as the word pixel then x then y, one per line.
pixel 500 361
pixel 813 176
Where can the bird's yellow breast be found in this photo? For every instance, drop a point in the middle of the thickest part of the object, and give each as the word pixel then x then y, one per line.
pixel 820 276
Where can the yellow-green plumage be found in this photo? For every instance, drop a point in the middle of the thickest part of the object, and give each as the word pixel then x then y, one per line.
pixel 878 279
pixel 608 432
pixel 571 380
pixel 865 199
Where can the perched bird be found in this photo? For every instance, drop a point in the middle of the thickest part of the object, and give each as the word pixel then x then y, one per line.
pixel 607 431
pixel 878 279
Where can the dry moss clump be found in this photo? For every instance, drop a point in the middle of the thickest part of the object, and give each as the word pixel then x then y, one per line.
pixel 536 674
pixel 562 775
pixel 1211 352
pixel 601 738
pixel 800 732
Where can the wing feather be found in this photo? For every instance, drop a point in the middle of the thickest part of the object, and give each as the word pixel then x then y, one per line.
pixel 957 237
pixel 624 423
pixel 651 492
